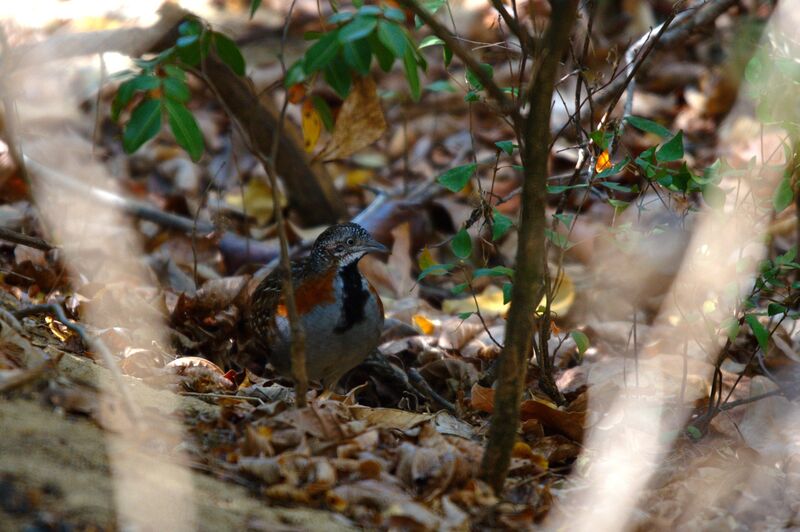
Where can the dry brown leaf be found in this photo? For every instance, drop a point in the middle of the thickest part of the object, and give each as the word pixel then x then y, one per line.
pixel 359 124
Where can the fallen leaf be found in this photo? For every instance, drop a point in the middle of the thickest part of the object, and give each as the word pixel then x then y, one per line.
pixel 359 124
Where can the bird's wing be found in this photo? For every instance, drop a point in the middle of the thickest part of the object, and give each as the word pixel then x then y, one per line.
pixel 267 299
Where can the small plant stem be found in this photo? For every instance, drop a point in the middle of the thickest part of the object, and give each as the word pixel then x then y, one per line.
pixel 531 261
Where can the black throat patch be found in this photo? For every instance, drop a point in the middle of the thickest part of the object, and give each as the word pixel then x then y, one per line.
pixel 355 297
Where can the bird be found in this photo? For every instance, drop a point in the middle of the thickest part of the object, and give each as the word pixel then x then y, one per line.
pixel 340 311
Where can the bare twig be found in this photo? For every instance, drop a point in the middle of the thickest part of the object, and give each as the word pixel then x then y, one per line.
pixel 26 240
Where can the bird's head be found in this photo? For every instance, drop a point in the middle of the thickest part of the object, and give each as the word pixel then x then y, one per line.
pixel 345 243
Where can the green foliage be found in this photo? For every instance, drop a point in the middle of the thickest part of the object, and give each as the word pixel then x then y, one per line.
pixel 462 244
pixel 761 333
pixel 457 178
pixel 649 126
pixel 500 225
pixel 581 341
pixel 358 36
pixel 161 87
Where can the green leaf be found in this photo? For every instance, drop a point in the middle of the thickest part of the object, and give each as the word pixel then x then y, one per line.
pixel 508 289
pixel 672 150
pixel 338 77
pixel 615 186
pixel 473 80
pixel 472 96
pixel 254 5
pixel 126 91
pixel 436 269
pixel 430 40
pixel 322 53
pixel 184 127
pixel 392 36
pixel 601 138
pixel 187 40
pixel 783 194
pixel 558 239
pixel 144 124
pixel 618 204
pixel 500 225
pixel 694 433
pixel 176 90
pixel 457 178
pixel 761 334
pixel 462 244
pixel 357 29
pixel 229 53
pixel 448 55
pixel 341 16
pixel 774 309
pixel 174 71
pixel 412 75
pixel 497 271
pixel 459 288
pixel 441 85
pixel 649 126
pixel 324 111
pixel 190 27
pixel 382 53
pixel 370 10
pixel 465 315
pixel 296 74
pixel 731 328
pixel 581 340
pixel 506 145
pixel 358 55
pixel 392 13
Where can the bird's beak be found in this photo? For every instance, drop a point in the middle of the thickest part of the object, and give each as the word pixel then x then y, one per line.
pixel 374 246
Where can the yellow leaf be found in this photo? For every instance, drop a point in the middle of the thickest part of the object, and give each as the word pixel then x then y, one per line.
pixel 424 324
pixel 564 296
pixel 311 124
pixel 491 303
pixel 603 162
pixel 257 200
pixel 357 177
pixel 425 259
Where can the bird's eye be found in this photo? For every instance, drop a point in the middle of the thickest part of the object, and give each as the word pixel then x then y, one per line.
pixel 350 242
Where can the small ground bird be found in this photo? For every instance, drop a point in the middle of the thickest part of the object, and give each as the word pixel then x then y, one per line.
pixel 341 312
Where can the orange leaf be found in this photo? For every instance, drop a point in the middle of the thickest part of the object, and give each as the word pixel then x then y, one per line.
pixel 603 162
pixel 312 126
pixel 296 93
pixel 482 398
pixel 424 324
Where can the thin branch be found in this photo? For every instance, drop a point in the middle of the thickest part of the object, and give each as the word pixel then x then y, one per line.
pixel 26 240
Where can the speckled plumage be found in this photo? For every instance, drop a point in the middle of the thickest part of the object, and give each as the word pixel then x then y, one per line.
pixel 341 312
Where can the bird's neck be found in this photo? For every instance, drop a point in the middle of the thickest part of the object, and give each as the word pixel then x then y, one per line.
pixel 354 296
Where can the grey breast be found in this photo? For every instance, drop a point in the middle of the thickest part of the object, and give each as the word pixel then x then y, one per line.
pixel 328 352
